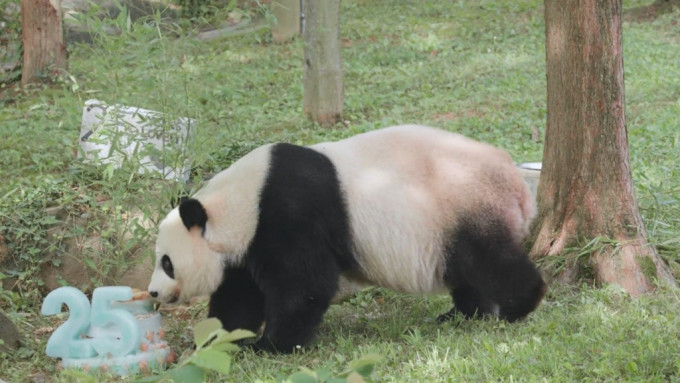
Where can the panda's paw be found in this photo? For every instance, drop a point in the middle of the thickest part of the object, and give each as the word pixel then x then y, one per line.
pixel 253 347
pixel 447 316
pixel 262 346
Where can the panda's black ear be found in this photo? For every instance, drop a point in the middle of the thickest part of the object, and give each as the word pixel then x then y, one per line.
pixel 193 214
pixel 177 200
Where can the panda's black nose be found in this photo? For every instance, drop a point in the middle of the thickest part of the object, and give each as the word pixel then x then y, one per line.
pixel 154 294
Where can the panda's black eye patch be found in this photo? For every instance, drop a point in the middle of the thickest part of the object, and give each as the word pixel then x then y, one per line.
pixel 166 263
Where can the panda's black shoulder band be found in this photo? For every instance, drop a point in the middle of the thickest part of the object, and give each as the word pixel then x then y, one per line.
pixel 193 214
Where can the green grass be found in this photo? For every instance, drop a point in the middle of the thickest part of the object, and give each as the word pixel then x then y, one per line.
pixel 475 68
pixel 576 335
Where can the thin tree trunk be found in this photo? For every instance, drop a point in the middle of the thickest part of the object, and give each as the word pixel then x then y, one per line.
pixel 323 89
pixel 586 189
pixel 43 39
pixel 287 14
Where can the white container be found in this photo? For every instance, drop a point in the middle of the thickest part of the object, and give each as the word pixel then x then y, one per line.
pixel 531 172
pixel 112 134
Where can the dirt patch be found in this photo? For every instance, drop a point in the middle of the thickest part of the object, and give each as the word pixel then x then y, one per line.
pixel 82 257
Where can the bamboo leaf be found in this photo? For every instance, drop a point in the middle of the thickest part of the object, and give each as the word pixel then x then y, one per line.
pixel 187 374
pixel 354 377
pixel 213 360
pixel 301 377
pixel 204 329
pixel 233 336
pixel 365 365
pixel 225 347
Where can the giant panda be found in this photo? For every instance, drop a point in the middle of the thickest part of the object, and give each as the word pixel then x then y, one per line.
pixel 411 208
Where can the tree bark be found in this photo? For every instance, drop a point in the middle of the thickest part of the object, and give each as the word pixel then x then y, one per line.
pixel 43 39
pixel 287 13
pixel 586 189
pixel 323 89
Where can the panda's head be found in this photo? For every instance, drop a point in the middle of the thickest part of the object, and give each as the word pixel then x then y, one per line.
pixel 186 266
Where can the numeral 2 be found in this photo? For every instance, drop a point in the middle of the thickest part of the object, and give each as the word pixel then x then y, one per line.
pixel 66 341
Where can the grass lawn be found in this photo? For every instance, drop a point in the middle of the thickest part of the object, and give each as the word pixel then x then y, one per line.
pixel 473 67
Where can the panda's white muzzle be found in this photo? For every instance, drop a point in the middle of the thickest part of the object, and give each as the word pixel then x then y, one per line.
pixel 164 289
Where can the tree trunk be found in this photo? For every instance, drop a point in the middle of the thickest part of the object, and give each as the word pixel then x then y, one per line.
pixel 586 190
pixel 43 39
pixel 287 13
pixel 323 91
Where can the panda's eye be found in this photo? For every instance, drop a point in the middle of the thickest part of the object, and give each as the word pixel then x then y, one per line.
pixel 166 263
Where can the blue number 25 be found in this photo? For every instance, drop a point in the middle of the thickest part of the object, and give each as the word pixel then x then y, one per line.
pixel 70 341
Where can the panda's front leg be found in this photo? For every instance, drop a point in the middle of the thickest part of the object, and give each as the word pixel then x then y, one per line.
pixel 296 298
pixel 238 301
pixel 291 322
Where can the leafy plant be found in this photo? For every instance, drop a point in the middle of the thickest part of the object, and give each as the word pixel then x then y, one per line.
pixel 10 42
pixel 360 371
pixel 582 251
pixel 197 9
pixel 25 225
pixel 214 349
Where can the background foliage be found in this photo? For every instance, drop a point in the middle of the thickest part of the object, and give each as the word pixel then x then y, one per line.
pixel 10 40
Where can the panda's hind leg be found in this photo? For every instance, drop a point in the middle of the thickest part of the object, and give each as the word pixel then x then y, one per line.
pixel 489 272
pixel 469 302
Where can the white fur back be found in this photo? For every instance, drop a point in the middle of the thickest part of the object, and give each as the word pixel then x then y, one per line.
pixel 406 187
